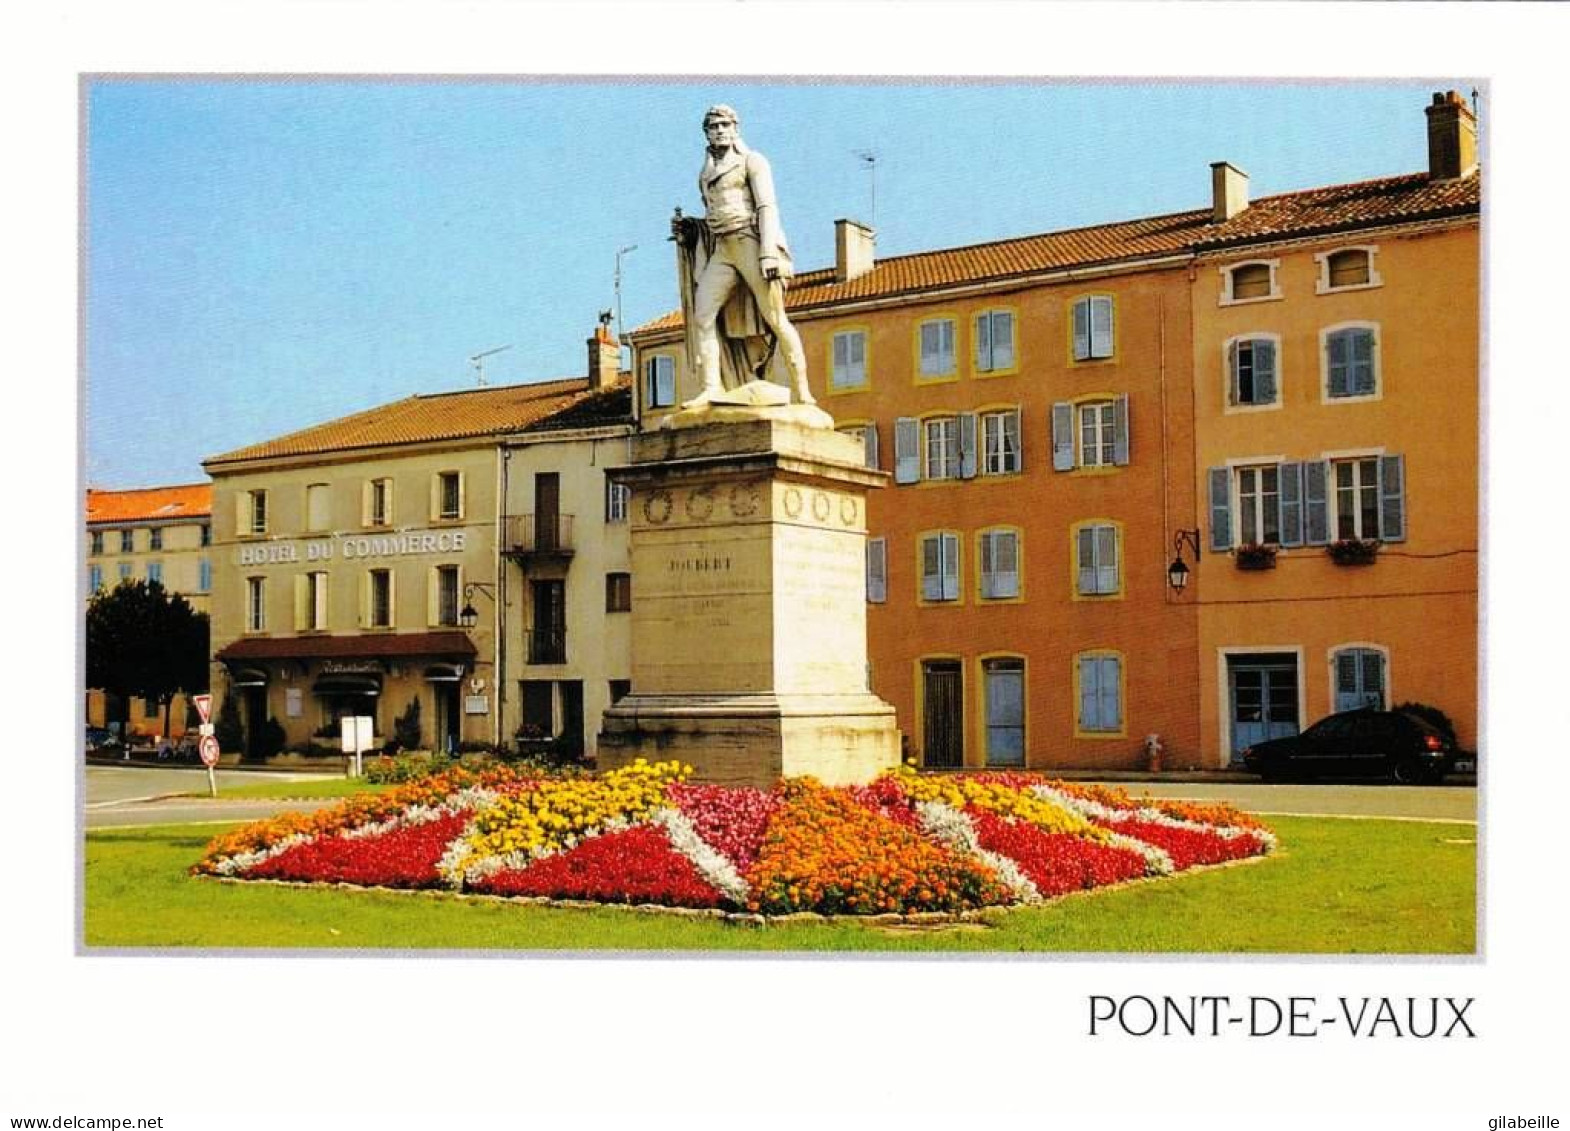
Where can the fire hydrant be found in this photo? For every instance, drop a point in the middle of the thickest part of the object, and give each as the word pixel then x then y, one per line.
pixel 1153 753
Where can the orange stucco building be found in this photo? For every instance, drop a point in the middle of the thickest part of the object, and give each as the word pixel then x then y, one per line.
pixel 1062 414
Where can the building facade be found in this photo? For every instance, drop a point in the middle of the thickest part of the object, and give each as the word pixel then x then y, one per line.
pixel 1062 414
pixel 363 567
pixel 161 534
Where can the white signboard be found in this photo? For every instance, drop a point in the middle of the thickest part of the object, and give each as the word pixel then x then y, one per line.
pixel 476 704
pixel 357 738
pixel 293 702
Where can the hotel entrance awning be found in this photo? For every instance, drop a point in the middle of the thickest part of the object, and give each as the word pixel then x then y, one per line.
pixel 368 646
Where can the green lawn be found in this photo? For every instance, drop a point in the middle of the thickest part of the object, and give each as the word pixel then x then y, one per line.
pixel 1336 886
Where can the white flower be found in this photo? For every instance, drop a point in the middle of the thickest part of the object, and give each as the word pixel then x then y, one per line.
pixel 714 867
pixel 950 826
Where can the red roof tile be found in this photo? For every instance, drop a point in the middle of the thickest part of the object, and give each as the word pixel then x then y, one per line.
pixel 1322 210
pixel 192 500
pixel 471 413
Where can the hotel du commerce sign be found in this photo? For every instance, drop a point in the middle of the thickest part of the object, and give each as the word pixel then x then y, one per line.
pixel 354 547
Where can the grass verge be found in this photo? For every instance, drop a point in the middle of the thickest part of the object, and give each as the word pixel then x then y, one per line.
pixel 1336 887
pixel 293 790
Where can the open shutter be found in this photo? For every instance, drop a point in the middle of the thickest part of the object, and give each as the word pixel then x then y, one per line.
pixel 869 441
pixel 1338 363
pixel 1348 694
pixel 242 512
pixel 931 568
pixel 907 450
pixel 1002 339
pixel 1108 686
pixel 1392 499
pixel 1290 477
pixel 1120 430
pixel 1264 371
pixel 1082 329
pixel 1062 436
pixel 1101 327
pixel 1220 508
pixel 436 496
pixel 365 502
pixel 364 620
pixel 1316 503
pixel 1005 564
pixel 463 508
pixel 950 567
pixel 987 566
pixel 1014 429
pixel 433 596
pixel 983 342
pixel 302 602
pixel 967 445
pixel 877 570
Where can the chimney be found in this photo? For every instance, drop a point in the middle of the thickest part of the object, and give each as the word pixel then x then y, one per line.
pixel 853 244
pixel 1452 137
pixel 1228 191
pixel 604 357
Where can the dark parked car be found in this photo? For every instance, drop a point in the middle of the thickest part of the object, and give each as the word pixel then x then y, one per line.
pixel 100 740
pixel 1391 744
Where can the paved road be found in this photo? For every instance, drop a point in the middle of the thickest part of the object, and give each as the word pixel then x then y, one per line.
pixel 1420 802
pixel 141 795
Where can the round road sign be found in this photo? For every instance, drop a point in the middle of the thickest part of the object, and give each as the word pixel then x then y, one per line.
pixel 209 750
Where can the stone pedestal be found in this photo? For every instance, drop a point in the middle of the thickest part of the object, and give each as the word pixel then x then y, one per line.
pixel 749 638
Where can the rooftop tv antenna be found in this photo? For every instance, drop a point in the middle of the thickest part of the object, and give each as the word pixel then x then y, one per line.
pixel 621 251
pixel 869 158
pixel 478 361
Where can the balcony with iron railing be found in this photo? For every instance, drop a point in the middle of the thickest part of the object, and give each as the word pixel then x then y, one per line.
pixel 547 646
pixel 538 536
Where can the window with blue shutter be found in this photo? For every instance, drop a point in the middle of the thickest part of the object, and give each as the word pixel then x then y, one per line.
pixel 967 445
pixel 1220 508
pixel 1291 478
pixel 1253 371
pixel 1392 499
pixel 1360 679
pixel 659 382
pixel 877 571
pixel 907 450
pixel 1100 693
pixel 1316 502
pixel 1350 362
pixel 1062 436
pixel 1005 690
pixel 994 341
pixel 850 360
pixel 940 567
pixel 999 564
pixel 1092 327
pixel 1120 430
pixel 204 576
pixel 937 347
pixel 1000 434
pixel 1096 549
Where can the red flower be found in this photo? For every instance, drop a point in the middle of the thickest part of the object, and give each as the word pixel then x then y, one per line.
pixel 1188 847
pixel 403 858
pixel 635 866
pixel 1055 862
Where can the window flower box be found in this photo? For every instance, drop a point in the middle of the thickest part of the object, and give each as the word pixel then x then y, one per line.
pixel 1255 556
pixel 1353 551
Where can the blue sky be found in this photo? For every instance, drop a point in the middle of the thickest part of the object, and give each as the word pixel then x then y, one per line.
pixel 263 256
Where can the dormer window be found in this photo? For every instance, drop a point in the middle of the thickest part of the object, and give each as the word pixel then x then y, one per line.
pixel 1347 269
pixel 1249 282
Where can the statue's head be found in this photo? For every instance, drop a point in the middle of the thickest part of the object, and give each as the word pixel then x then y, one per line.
pixel 720 125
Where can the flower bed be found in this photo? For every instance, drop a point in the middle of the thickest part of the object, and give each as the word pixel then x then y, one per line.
pixel 904 843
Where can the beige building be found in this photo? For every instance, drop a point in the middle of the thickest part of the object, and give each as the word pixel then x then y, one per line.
pixel 369 564
pixel 160 534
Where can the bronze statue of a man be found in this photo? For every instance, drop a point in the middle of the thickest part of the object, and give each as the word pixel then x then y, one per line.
pixel 733 332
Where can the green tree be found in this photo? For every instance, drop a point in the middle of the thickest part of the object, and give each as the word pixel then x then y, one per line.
pixel 145 642
pixel 229 731
pixel 406 727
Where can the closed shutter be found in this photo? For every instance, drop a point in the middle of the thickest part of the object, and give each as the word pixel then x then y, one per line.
pixel 1106 559
pixel 1290 476
pixel 967 445
pixel 1264 371
pixel 1220 508
pixel 1338 364
pixel 1392 499
pixel 1090 693
pixel 1062 436
pixel 950 567
pixel 1316 506
pixel 1362 362
pixel 1101 327
pixel 877 570
pixel 1005 564
pixel 1120 430
pixel 1002 340
pixel 869 441
pixel 1109 693
pixel 907 450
